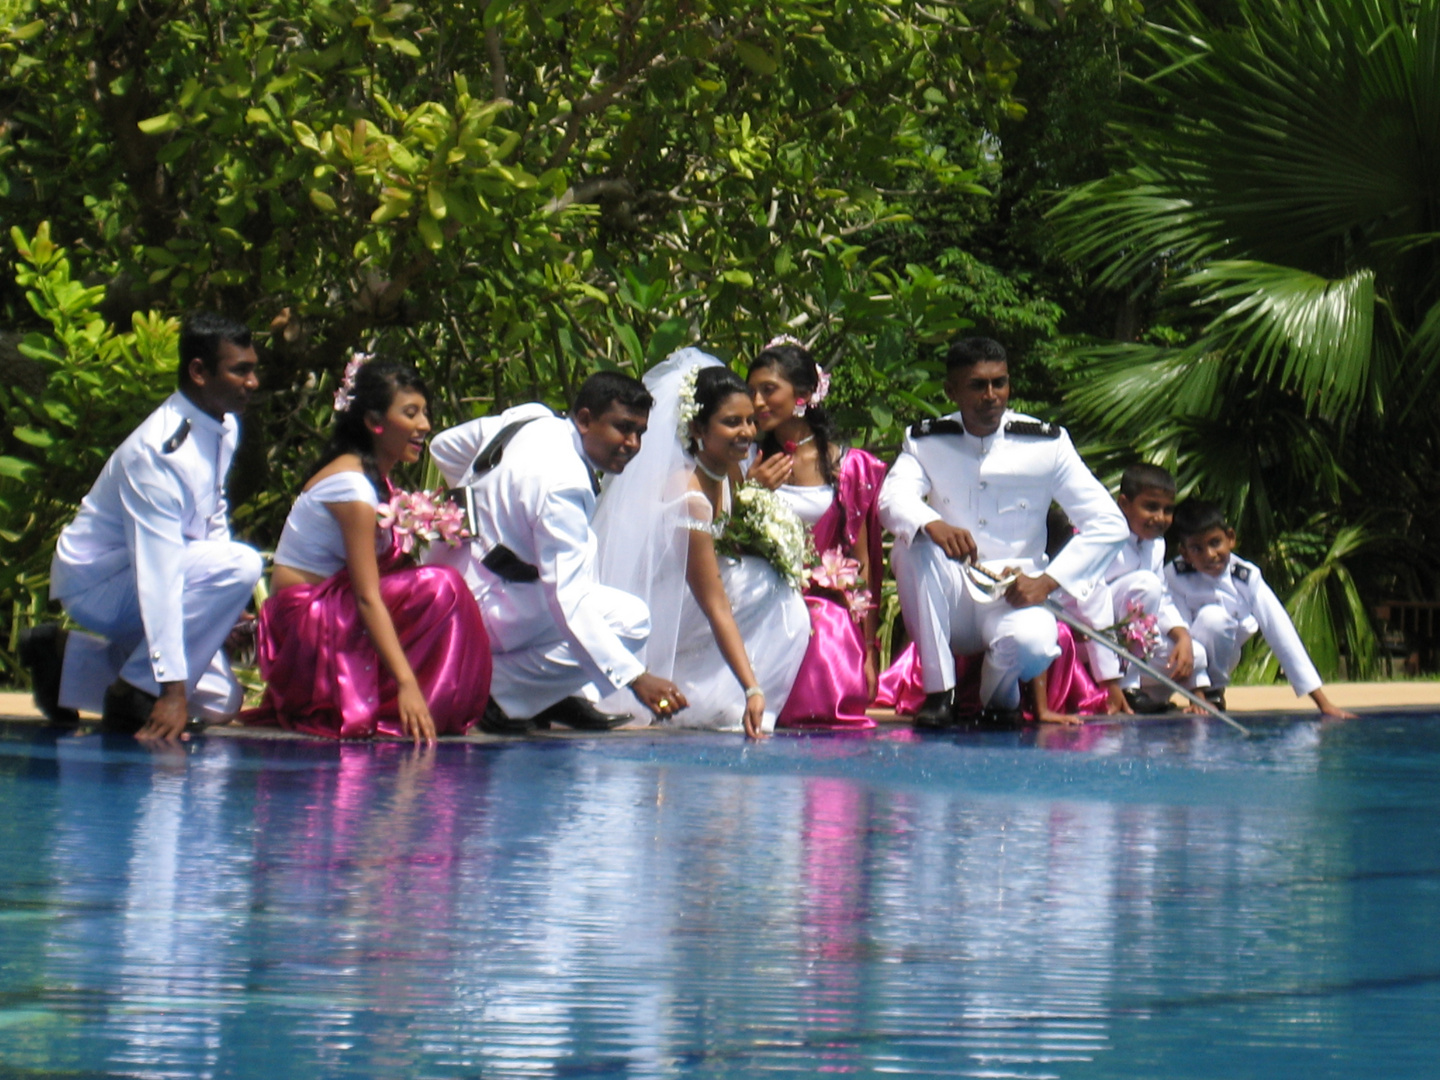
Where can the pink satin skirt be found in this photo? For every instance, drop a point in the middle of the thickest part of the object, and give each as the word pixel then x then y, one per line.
pixel 323 676
pixel 830 690
pixel 1071 689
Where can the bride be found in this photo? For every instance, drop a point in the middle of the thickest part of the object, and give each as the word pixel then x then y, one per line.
pixel 728 629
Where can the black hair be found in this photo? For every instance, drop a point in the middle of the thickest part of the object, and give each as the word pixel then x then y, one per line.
pixel 797 367
pixel 967 352
pixel 712 386
pixel 201 335
pixel 1143 476
pixel 606 388
pixel 376 384
pixel 1196 516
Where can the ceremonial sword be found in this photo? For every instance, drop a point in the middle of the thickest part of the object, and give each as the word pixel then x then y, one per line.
pixel 994 587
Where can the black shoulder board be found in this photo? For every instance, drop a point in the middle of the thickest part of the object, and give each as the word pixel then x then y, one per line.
pixel 936 427
pixel 491 453
pixel 1240 573
pixel 1182 567
pixel 174 442
pixel 1033 427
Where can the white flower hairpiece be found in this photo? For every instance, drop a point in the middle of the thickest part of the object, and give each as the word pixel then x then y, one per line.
pixel 784 339
pixel 689 409
pixel 822 386
pixel 346 394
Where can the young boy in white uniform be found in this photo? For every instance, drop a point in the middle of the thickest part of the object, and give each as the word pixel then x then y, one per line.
pixel 1137 586
pixel 1225 600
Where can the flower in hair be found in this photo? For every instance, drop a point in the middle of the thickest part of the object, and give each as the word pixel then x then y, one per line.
pixel 689 408
pixel 822 387
pixel 784 339
pixel 345 396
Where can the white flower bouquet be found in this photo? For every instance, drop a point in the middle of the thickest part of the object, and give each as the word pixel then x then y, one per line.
pixel 760 523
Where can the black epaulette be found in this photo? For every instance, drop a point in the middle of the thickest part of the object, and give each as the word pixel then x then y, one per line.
pixel 1240 573
pixel 1033 427
pixel 174 442
pixel 1182 567
pixel 932 426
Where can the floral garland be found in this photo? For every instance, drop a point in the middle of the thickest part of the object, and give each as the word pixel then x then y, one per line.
pixel 761 523
pixel 689 407
pixel 839 573
pixel 422 517
pixel 345 395
pixel 1138 631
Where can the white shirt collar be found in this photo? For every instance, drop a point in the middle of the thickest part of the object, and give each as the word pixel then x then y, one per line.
pixel 197 416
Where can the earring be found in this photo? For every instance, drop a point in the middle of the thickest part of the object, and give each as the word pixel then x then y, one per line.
pixel 800 406
pixel 378 430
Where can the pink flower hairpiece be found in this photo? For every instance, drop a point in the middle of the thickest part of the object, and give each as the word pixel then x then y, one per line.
pixel 784 339
pixel 345 396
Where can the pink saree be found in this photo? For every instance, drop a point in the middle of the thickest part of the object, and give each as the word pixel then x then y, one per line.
pixel 1071 689
pixel 323 676
pixel 830 690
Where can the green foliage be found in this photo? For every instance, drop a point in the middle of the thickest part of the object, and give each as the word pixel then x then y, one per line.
pixel 1275 216
pixel 81 391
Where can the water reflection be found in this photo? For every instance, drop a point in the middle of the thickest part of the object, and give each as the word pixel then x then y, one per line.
pixel 1116 901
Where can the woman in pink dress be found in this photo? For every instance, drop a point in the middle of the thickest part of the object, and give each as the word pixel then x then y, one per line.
pixel 356 639
pixel 834 491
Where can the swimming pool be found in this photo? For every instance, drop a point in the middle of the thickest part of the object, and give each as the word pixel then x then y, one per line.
pixel 1150 900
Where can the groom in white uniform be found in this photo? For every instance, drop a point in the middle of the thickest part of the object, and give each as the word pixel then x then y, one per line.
pixel 975 487
pixel 561 640
pixel 148 564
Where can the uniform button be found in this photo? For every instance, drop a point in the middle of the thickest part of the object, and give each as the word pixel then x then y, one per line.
pixel 982 521
pixel 159 671
pixel 1024 505
pixel 155 655
pixel 983 485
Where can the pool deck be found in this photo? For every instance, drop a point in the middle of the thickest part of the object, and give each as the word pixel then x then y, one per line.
pixel 1240 700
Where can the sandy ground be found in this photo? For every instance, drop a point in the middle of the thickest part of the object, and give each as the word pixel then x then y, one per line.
pixel 1240 700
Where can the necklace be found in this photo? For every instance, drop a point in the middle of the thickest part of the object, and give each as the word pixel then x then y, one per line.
pixel 717 477
pixel 790 446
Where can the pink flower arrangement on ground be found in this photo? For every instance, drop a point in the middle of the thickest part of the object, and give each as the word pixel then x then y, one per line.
pixel 839 573
pixel 422 517
pixel 1138 631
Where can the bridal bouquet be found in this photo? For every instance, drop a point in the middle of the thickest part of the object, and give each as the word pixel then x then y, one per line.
pixel 839 573
pixel 760 523
pixel 422 517
pixel 1138 631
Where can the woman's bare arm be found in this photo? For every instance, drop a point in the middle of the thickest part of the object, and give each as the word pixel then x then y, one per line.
pixel 702 574
pixel 358 526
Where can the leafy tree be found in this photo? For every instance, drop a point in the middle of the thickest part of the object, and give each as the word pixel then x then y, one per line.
pixel 1279 211
pixel 508 192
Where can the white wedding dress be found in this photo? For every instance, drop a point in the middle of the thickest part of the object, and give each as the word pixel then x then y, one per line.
pixel 642 525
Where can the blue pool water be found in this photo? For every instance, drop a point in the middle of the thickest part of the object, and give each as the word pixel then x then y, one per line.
pixel 1166 900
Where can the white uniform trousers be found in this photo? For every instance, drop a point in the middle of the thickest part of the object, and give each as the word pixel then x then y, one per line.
pixel 531 675
pixel 1146 591
pixel 1221 636
pixel 944 616
pixel 220 577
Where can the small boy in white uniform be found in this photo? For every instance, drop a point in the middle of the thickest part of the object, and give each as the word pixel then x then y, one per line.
pixel 1225 600
pixel 1136 584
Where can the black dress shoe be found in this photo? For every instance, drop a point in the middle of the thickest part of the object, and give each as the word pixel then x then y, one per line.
pixel 1143 704
pixel 127 708
pixel 1215 695
pixel 495 722
pixel 937 710
pixel 577 713
pixel 42 651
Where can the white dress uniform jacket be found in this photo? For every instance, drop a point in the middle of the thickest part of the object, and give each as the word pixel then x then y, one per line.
pixel 999 488
pixel 1225 611
pixel 561 633
pixel 1136 578
pixel 149 564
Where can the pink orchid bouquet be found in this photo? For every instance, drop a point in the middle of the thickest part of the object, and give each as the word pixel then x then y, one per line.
pixel 423 517
pixel 1138 631
pixel 839 573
